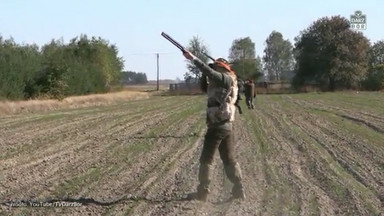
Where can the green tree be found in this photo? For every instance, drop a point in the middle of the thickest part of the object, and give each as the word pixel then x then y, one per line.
pixel 18 66
pixel 105 57
pixel 278 57
pixel 197 47
pixel 51 80
pixel 94 65
pixel 243 59
pixel 83 66
pixel 376 53
pixel 331 54
pixel 375 78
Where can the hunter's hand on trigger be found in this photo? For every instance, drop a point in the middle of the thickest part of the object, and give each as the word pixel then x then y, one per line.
pixel 188 55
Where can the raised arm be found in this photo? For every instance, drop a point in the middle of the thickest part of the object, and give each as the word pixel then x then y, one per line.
pixel 213 75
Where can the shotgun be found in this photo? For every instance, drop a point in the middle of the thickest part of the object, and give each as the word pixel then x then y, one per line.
pixel 210 57
pixel 170 39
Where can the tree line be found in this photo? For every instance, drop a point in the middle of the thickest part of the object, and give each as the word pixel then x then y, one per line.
pixel 328 54
pixel 131 77
pixel 55 70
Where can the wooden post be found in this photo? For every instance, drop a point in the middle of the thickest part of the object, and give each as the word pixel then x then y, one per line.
pixel 157 56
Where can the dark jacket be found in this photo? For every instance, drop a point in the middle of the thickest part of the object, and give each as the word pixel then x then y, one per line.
pixel 249 89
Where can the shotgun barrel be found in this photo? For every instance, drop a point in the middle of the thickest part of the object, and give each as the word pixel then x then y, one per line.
pixel 173 41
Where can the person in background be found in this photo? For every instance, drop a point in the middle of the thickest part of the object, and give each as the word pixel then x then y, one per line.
pixel 250 94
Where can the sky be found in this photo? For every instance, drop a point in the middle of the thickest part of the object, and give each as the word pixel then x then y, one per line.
pixel 135 26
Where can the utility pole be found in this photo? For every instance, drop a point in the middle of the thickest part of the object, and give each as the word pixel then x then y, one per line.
pixel 157 56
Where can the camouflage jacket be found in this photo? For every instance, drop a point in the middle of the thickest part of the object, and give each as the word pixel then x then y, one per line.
pixel 222 95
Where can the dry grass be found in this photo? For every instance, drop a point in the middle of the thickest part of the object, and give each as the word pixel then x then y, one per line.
pixel 12 107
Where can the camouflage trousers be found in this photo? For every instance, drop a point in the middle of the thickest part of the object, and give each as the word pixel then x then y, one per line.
pixel 222 139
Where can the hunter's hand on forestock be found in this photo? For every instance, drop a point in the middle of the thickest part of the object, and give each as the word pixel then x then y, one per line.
pixel 188 55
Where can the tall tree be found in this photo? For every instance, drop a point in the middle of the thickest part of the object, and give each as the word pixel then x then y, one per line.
pixel 376 53
pixel 52 77
pixel 278 57
pixel 331 54
pixel 375 77
pixel 197 47
pixel 242 56
pixel 18 66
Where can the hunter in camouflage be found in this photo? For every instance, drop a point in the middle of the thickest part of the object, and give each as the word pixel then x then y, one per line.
pixel 222 93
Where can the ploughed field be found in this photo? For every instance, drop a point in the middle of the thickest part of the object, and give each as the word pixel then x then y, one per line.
pixel 301 154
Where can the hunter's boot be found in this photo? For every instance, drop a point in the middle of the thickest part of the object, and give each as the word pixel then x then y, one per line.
pixel 233 172
pixel 204 178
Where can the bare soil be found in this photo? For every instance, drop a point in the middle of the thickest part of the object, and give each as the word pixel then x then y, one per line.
pixel 300 155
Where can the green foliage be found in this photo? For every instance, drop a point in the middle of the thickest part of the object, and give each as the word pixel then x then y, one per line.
pixel 94 65
pixel 196 47
pixel 375 78
pixel 57 70
pixel 243 59
pixel 376 54
pixel 18 66
pixel 331 54
pixel 278 57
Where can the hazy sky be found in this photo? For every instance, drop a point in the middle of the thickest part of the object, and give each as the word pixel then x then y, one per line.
pixel 135 25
